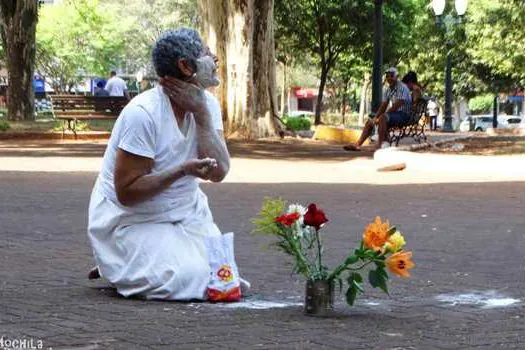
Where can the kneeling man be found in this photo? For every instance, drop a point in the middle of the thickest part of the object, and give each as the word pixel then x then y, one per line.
pixel 148 218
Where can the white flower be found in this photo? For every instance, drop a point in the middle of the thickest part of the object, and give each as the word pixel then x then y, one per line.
pixel 297 208
pixel 298 225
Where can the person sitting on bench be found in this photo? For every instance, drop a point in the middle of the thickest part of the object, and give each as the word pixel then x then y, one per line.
pixel 410 80
pixel 394 110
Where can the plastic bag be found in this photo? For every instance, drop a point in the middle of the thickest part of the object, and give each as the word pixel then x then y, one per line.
pixel 224 284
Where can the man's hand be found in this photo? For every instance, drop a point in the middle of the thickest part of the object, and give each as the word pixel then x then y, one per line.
pixel 188 96
pixel 200 168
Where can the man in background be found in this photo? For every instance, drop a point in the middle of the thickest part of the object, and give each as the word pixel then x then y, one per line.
pixel 116 86
pixel 100 91
pixel 433 110
pixel 394 110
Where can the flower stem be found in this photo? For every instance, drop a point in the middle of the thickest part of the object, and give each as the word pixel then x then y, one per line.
pixel 344 267
pixel 319 250
pixel 360 267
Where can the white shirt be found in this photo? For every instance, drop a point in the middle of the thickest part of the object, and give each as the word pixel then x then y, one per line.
pixel 432 108
pixel 147 127
pixel 116 86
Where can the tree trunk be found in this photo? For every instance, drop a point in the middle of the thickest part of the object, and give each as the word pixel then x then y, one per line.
pixel 363 99
pixel 283 90
pixel 343 102
pixel 18 30
pixel 264 70
pixel 241 34
pixel 319 106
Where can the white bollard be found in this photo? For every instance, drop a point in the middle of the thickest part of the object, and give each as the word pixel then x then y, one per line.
pixel 390 159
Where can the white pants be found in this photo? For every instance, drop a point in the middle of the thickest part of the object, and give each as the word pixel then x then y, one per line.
pixel 157 255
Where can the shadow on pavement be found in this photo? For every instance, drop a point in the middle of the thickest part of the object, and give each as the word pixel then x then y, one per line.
pixel 288 149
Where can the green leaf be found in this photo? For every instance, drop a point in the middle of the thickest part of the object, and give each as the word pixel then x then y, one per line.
pixel 381 271
pixel 380 264
pixel 356 276
pixel 352 259
pixel 355 279
pixel 378 279
pixel 373 278
pixel 358 286
pixel 351 295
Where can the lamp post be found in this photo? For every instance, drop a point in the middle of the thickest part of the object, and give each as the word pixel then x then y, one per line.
pixel 439 7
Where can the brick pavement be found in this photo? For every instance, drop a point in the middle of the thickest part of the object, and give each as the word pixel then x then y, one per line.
pixel 465 237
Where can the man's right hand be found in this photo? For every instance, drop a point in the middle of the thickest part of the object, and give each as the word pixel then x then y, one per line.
pixel 188 95
pixel 200 168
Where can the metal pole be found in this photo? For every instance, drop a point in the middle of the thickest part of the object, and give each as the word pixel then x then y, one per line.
pixel 447 125
pixel 377 76
pixel 495 113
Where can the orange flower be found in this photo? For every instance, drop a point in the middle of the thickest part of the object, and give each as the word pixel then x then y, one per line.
pixel 399 263
pixel 376 234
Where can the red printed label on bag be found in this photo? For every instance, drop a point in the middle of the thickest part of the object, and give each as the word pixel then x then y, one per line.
pixel 225 273
pixel 233 294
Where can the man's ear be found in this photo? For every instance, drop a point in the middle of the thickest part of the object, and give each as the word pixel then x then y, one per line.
pixel 185 67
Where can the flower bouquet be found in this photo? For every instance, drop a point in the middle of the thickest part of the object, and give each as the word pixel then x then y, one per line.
pixel 298 234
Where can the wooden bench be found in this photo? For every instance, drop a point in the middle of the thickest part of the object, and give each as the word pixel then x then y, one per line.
pixel 415 128
pixel 72 108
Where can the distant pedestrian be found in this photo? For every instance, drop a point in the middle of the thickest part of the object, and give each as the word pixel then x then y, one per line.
pixel 433 111
pixel 100 91
pixel 116 86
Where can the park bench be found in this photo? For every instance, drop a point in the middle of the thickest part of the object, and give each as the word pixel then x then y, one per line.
pixel 415 128
pixel 72 108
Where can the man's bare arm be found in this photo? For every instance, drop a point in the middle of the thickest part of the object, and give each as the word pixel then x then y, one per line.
pixel 135 184
pixel 211 144
pixel 381 108
pixel 395 106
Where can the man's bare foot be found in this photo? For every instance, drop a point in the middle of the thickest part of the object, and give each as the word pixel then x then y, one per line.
pixel 352 147
pixel 94 274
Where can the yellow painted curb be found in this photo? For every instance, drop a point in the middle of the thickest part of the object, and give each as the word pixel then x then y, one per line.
pixel 330 133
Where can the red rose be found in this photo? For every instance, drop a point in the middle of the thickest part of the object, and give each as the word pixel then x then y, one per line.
pixel 288 219
pixel 314 217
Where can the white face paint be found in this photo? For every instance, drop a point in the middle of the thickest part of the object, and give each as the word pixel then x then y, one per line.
pixel 206 74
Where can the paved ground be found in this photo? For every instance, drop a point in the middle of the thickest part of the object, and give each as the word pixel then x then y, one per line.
pixel 466 291
pixel 287 161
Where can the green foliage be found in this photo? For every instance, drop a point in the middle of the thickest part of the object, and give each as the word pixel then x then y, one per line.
pixel 302 74
pixel 88 39
pixel 44 115
pixel 481 104
pixel 271 208
pixel 93 37
pixel 80 126
pixel 297 123
pixel 495 32
pixel 149 18
pixel 487 48
pixel 323 30
pixel 4 125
